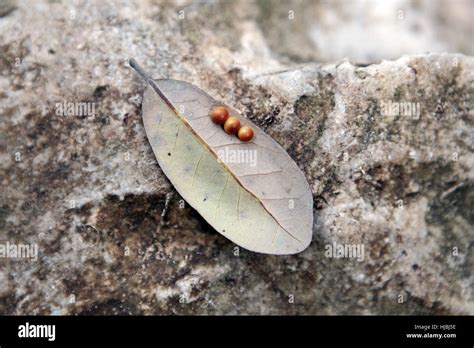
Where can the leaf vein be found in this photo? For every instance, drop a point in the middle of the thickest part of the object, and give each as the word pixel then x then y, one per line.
pixel 220 196
pixel 176 139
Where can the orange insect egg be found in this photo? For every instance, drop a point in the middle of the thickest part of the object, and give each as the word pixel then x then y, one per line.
pixel 219 114
pixel 245 133
pixel 232 125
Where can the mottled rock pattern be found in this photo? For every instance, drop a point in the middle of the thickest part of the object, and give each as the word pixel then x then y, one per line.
pixel 87 189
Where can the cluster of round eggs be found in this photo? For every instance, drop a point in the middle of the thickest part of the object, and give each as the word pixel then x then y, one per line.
pixel 220 115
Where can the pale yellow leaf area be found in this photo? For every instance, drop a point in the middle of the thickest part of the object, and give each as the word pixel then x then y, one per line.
pixel 264 207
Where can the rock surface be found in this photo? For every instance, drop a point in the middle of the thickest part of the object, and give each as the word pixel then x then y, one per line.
pixel 86 189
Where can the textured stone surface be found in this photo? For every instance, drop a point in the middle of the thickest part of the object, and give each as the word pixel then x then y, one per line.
pixel 88 191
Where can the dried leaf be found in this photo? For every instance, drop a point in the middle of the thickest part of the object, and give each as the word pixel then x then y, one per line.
pixel 251 192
